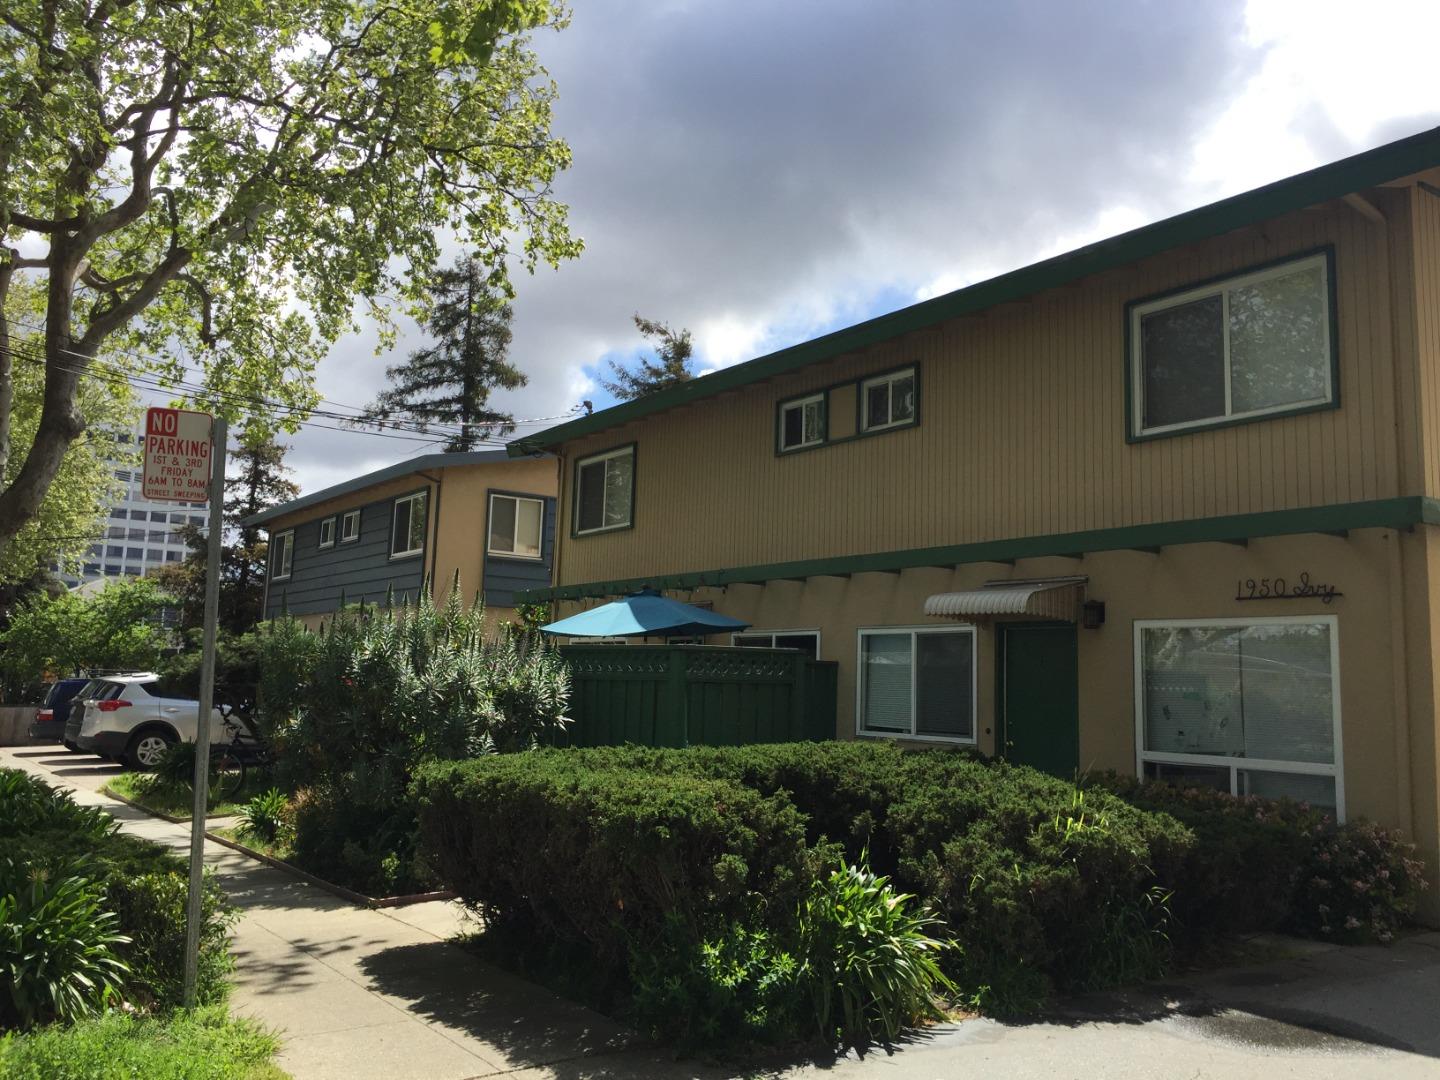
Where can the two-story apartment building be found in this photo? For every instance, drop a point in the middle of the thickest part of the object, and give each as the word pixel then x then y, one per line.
pixel 411 527
pixel 1166 504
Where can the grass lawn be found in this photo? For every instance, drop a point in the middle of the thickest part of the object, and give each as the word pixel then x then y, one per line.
pixel 178 800
pixel 204 1045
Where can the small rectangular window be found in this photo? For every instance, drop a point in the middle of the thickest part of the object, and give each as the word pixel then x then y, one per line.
pixel 806 641
pixel 888 401
pixel 516 525
pixel 327 532
pixel 155 515
pixel 802 423
pixel 283 545
pixel 120 514
pixel 173 556
pixel 407 535
pixel 135 553
pixel 349 526
pixel 1247 706
pixel 1256 344
pixel 605 491
pixel 917 683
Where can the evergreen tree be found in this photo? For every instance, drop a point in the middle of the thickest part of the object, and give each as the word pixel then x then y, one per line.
pixel 256 482
pixel 449 383
pixel 670 367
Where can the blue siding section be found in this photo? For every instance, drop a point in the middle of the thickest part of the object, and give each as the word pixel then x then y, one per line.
pixel 360 571
pixel 504 577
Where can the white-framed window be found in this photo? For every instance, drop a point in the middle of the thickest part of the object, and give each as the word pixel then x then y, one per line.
pixel 605 491
pixel 916 682
pixel 807 641
pixel 517 525
pixel 282 554
pixel 327 532
pixel 1248 706
pixel 407 530
pixel 802 422
pixel 888 400
pixel 349 526
pixel 1252 345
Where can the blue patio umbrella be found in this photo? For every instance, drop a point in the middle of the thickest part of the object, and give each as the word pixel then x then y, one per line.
pixel 644 614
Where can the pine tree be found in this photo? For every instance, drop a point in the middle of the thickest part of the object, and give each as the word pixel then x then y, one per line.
pixel 670 367
pixel 450 382
pixel 256 482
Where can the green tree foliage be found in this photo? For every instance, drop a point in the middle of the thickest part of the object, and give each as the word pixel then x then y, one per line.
pixel 670 367
pixel 232 182
pixel 256 481
pixel 115 628
pixel 450 382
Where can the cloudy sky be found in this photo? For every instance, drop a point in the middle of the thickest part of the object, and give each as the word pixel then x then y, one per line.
pixel 762 172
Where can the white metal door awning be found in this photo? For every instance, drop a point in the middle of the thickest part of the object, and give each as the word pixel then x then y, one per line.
pixel 1050 598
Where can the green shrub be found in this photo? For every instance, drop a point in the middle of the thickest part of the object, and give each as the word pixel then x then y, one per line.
pixel 202 1045
pixel 867 960
pixel 145 886
pixel 176 767
pixel 266 815
pixel 353 710
pixel 1359 883
pixel 546 847
pixel 57 948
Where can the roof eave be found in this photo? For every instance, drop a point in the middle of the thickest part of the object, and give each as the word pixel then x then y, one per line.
pixel 1371 168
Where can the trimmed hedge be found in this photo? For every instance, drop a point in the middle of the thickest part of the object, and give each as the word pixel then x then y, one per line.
pixel 44 831
pixel 1043 889
pixel 1262 864
pixel 544 845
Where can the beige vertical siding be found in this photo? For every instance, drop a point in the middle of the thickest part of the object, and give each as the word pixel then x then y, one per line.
pixel 1426 210
pixel 1022 430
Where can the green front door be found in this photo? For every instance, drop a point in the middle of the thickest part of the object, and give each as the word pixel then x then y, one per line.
pixel 1039 696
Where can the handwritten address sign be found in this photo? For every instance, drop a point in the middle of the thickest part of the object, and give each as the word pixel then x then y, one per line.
pixel 1300 587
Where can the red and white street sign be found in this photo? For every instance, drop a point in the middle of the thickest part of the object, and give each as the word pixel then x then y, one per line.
pixel 177 455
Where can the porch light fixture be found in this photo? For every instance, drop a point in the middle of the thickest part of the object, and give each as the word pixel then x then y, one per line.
pixel 1092 614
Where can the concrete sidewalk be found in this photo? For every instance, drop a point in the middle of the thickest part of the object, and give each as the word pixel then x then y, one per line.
pixel 360 994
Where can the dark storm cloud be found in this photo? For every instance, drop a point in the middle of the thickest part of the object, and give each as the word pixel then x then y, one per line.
pixel 753 161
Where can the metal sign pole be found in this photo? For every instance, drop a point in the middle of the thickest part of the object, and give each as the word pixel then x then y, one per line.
pixel 218 434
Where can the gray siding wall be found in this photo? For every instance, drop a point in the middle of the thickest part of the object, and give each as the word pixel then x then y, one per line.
pixel 360 571
pixel 504 577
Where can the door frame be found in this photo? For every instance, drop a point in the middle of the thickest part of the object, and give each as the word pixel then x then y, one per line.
pixel 1002 732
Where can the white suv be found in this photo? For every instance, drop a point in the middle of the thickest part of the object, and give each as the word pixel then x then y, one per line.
pixel 128 719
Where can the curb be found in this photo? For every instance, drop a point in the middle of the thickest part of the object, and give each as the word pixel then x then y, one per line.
pixel 280 864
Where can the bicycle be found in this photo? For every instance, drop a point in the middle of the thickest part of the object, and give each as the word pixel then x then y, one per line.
pixel 231 760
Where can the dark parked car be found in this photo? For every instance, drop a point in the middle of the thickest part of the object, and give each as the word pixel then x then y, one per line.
pixel 54 710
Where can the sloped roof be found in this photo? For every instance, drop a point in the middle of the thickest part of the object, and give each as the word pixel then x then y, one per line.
pixel 1372 168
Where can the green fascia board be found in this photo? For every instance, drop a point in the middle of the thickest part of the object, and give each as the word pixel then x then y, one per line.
pixel 1398 513
pixel 1346 176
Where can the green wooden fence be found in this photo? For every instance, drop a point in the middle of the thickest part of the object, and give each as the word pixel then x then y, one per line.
pixel 694 695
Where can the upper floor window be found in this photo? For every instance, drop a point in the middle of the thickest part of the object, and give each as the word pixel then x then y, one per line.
pixel 327 532
pixel 516 525
pixel 888 400
pixel 802 422
pixel 1257 344
pixel 282 552
pixel 349 526
pixel 605 491
pixel 407 534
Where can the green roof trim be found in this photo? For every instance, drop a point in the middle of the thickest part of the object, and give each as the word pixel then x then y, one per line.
pixel 1369 169
pixel 1401 513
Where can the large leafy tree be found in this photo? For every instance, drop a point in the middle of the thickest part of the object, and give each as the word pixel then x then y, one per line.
pixel 449 382
pixel 670 366
pixel 231 185
pixel 257 480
